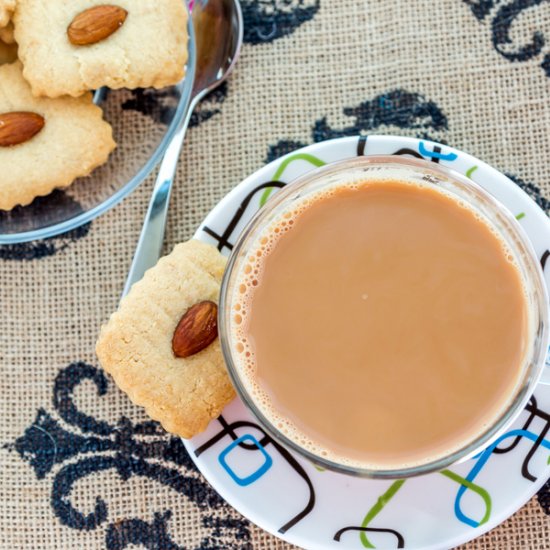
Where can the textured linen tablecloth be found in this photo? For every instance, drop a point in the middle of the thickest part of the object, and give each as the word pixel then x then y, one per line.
pixel 471 73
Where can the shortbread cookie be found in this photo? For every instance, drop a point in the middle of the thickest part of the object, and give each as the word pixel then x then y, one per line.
pixel 8 53
pixel 6 11
pixel 7 34
pixel 136 345
pixel 146 49
pixel 73 141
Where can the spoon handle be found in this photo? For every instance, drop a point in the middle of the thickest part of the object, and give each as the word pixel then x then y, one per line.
pixel 151 238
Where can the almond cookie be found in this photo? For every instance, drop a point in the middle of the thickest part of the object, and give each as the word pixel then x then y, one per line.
pixel 45 143
pixel 160 347
pixel 71 46
pixel 6 10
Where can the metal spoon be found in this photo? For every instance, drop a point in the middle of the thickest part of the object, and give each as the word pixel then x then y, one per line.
pixel 218 26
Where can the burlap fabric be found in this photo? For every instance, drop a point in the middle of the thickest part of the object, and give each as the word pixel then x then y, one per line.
pixel 472 73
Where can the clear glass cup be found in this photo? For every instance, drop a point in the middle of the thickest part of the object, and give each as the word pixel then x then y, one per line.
pixel 430 174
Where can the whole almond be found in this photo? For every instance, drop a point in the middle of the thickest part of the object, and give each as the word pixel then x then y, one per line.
pixel 18 127
pixel 96 24
pixel 197 329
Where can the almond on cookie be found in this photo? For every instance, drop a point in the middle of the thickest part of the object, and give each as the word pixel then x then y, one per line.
pixel 68 48
pixel 45 143
pixel 161 346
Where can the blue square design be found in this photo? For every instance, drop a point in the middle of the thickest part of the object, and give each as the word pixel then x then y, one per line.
pixel 243 481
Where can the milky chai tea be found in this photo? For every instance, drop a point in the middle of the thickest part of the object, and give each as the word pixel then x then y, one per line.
pixel 380 323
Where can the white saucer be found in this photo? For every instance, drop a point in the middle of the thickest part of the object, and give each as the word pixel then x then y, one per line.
pixel 288 496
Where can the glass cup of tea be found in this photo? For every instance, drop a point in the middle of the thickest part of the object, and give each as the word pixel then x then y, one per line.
pixel 384 317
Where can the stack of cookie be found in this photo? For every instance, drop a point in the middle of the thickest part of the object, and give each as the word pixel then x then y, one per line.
pixel 52 54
